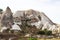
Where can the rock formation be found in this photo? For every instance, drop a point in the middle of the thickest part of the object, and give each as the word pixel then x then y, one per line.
pixel 7 18
pixel 37 18
pixel 31 17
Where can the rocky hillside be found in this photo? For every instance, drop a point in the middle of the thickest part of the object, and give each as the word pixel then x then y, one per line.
pixel 39 19
pixel 31 17
pixel 7 17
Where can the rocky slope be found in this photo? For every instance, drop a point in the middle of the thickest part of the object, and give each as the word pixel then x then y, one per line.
pixel 35 18
pixel 39 19
pixel 7 17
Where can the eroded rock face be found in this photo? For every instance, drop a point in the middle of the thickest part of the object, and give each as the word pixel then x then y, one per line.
pixel 7 17
pixel 37 18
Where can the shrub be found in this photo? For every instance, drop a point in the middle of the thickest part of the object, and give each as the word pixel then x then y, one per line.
pixel 1 10
pixel 44 32
pixel 41 32
pixel 49 32
pixel 31 38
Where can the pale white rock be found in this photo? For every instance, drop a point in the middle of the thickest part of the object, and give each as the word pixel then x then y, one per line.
pixel 15 27
pixel 3 28
pixel 37 24
pixel 45 21
pixel 27 35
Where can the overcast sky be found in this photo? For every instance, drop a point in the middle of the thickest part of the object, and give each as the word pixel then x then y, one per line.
pixel 50 7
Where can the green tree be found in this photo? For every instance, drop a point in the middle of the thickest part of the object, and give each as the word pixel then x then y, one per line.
pixel 49 32
pixel 1 10
pixel 44 32
pixel 41 32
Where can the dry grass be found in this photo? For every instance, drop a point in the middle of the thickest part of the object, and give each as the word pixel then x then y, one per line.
pixel 49 39
pixel 41 39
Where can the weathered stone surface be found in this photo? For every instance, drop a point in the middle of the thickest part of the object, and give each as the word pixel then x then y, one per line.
pixel 37 18
pixel 7 17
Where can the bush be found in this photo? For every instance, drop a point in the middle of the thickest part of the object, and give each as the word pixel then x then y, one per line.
pixel 44 32
pixel 49 32
pixel 31 38
pixel 1 10
pixel 41 32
